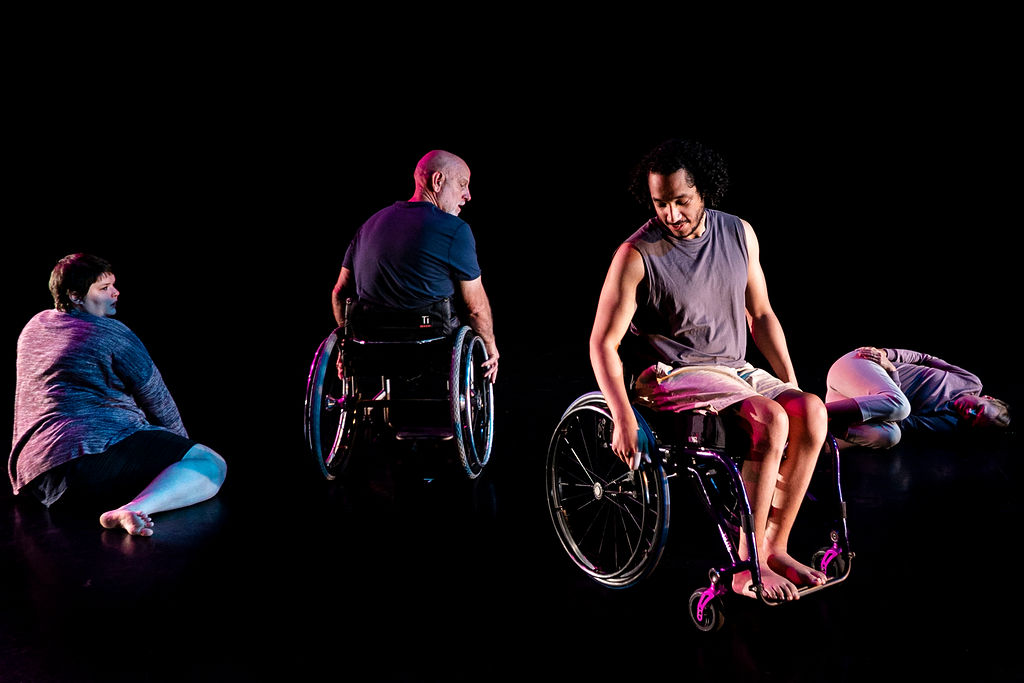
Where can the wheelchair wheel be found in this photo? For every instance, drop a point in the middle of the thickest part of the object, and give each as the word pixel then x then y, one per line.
pixel 612 522
pixel 708 617
pixel 834 568
pixel 472 402
pixel 330 429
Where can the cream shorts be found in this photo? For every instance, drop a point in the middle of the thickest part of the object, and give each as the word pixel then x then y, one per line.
pixel 711 387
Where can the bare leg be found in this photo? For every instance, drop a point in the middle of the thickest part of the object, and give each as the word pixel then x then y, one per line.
pixel 768 427
pixel 196 477
pixel 807 427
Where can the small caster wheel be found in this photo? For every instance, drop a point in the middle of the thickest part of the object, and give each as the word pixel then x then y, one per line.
pixel 708 616
pixel 834 565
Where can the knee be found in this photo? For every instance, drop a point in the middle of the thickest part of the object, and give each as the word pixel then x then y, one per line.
pixel 815 419
pixel 769 432
pixel 880 435
pixel 220 467
pixel 214 466
pixel 808 416
pixel 898 407
pixel 810 410
pixel 889 438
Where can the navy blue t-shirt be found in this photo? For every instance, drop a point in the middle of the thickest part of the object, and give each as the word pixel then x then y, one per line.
pixel 410 254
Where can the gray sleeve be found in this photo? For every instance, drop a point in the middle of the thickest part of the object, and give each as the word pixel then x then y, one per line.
pixel 144 383
pixel 155 400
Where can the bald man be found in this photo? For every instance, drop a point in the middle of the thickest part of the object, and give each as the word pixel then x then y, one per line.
pixel 415 253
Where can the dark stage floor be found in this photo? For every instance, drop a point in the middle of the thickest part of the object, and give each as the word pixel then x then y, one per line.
pixel 283 577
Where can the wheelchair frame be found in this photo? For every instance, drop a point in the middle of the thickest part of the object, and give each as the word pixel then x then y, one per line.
pixel 343 412
pixel 613 522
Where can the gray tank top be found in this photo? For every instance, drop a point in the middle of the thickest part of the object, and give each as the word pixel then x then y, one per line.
pixel 691 303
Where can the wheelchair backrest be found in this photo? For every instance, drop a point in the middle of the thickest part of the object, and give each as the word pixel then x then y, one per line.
pixel 372 323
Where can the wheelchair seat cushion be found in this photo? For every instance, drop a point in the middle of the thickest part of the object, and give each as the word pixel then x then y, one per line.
pixel 371 322
pixel 693 428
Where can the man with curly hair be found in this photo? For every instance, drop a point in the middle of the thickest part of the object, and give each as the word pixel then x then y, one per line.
pixel 686 287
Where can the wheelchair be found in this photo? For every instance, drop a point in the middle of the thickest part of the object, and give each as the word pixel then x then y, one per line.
pixel 402 375
pixel 613 522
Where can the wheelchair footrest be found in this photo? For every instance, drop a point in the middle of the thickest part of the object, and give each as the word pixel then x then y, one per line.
pixel 443 433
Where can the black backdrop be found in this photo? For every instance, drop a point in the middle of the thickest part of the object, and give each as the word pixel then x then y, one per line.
pixel 225 193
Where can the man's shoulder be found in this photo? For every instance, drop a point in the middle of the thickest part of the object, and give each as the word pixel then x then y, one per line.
pixel 423 212
pixel 719 221
pixel 723 217
pixel 648 232
pixel 385 211
pixel 435 219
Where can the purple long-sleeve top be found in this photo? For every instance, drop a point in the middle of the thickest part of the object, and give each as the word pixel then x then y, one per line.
pixel 83 383
pixel 931 384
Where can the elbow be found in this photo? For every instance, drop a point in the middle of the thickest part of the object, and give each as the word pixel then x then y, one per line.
pixel 596 345
pixel 761 319
pixel 601 351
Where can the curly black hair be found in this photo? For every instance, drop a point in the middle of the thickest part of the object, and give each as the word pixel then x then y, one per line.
pixel 705 167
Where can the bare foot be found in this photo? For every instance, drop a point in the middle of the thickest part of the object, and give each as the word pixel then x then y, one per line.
pixel 797 572
pixel 135 523
pixel 743 585
pixel 773 586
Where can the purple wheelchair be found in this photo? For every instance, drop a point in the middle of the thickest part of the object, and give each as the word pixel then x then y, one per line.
pixel 614 522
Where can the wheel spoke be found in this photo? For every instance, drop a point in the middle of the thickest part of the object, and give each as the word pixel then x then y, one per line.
pixel 579 461
pixel 580 430
pixel 612 499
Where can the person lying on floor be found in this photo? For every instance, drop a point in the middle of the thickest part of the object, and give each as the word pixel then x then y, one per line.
pixel 873 395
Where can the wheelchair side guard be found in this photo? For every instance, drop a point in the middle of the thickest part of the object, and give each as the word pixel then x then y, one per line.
pixel 589 398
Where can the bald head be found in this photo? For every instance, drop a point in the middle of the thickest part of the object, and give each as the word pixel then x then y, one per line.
pixel 436 160
pixel 442 179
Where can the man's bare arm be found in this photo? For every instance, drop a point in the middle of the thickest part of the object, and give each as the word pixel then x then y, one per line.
pixel 478 308
pixel 342 289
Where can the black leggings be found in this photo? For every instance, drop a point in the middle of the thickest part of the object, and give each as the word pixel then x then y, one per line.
pixel 112 478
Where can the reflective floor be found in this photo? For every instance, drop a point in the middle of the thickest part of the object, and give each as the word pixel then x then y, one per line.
pixel 389 577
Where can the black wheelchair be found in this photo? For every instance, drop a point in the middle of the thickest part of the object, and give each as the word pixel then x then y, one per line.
pixel 613 522
pixel 402 375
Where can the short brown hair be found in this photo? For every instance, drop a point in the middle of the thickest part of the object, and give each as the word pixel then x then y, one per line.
pixel 75 274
